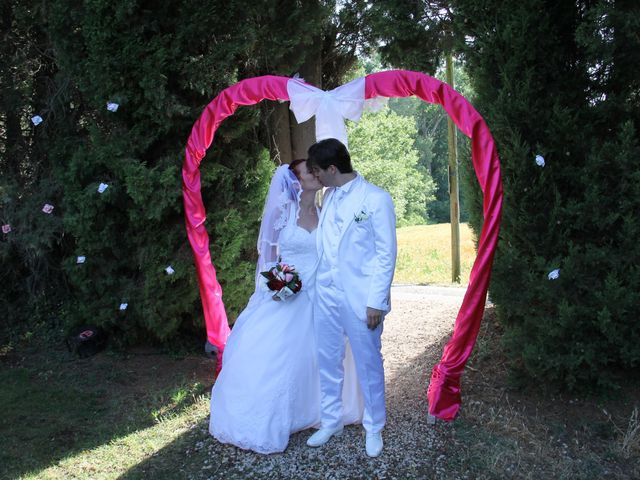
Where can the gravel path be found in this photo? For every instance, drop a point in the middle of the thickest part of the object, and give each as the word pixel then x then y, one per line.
pixel 421 320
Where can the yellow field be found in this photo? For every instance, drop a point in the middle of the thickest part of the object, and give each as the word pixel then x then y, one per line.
pixel 424 254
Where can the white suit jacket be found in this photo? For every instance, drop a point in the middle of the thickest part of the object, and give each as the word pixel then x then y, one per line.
pixel 367 246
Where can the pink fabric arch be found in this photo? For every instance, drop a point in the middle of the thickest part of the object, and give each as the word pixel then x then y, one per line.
pixel 245 92
pixel 444 389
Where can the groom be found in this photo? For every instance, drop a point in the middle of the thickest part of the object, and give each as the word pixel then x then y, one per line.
pixel 356 243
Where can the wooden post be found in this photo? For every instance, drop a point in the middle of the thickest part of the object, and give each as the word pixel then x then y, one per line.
pixel 454 195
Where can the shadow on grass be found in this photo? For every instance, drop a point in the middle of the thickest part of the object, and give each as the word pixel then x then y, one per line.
pixel 55 406
pixel 412 448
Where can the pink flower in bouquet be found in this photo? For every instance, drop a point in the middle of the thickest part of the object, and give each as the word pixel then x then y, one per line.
pixel 288 277
pixel 287 268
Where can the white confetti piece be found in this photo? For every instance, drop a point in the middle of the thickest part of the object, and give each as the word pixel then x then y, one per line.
pixel 47 208
pixel 36 120
pixel 554 274
pixel 123 306
pixel 81 259
pixel 540 160
pixel 169 270
pixel 6 228
pixel 112 107
pixel 102 187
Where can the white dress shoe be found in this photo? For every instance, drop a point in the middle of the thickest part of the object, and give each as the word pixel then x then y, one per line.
pixel 374 444
pixel 322 436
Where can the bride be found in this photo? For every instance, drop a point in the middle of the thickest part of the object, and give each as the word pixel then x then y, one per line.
pixel 269 386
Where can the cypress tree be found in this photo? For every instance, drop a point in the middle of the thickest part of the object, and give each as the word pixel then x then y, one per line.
pixel 161 64
pixel 33 286
pixel 559 80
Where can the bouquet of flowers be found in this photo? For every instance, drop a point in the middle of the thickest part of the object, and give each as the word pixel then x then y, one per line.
pixel 283 280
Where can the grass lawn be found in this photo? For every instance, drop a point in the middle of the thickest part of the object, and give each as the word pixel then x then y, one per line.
pixel 97 417
pixel 424 254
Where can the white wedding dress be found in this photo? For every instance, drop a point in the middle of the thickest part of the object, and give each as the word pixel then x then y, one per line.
pixel 269 386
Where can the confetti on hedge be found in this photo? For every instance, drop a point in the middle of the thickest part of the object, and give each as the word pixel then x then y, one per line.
pixel 47 208
pixel 102 187
pixel 554 274
pixel 81 259
pixel 36 120
pixel 540 160
pixel 112 107
pixel 123 306
pixel 6 228
pixel 169 270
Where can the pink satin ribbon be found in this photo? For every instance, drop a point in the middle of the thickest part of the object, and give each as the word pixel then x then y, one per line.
pixel 444 389
pixel 246 92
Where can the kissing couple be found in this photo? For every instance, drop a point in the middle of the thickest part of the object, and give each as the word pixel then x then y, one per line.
pixel 313 358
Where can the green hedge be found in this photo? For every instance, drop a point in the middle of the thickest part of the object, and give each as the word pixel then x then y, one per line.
pixel 555 79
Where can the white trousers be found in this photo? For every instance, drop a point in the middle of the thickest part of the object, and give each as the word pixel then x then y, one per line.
pixel 333 318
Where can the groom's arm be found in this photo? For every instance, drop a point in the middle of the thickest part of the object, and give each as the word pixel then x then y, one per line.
pixel 384 233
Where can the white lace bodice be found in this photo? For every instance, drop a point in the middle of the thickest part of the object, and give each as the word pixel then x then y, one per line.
pixel 298 247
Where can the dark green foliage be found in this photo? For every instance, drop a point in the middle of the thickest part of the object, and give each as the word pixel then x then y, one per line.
pixel 162 62
pixel 410 33
pixel 31 279
pixel 142 58
pixel 555 79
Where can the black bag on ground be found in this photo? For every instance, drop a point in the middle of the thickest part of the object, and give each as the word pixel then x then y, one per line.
pixel 86 341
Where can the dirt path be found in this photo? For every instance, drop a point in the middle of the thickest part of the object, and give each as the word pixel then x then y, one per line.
pixel 415 331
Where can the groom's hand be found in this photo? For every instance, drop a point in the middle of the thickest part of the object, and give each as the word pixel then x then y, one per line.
pixel 374 317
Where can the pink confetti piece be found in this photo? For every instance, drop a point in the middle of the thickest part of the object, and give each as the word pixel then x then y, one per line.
pixel 6 228
pixel 47 208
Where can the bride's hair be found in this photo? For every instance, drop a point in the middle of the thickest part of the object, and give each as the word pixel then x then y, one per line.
pixel 294 164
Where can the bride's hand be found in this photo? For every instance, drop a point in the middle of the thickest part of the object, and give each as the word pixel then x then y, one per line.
pixel 276 298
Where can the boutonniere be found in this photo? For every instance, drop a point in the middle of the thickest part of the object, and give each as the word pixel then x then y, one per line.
pixel 361 217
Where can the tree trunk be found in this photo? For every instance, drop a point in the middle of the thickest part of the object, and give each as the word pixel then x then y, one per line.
pixel 279 131
pixel 304 135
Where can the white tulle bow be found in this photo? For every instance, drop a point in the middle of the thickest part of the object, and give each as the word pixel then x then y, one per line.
pixel 330 108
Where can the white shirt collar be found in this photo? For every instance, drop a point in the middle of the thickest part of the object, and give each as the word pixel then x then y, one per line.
pixel 346 188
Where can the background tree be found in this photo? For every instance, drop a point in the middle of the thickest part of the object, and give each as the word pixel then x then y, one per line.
pixel 555 79
pixel 32 284
pixel 382 148
pixel 432 144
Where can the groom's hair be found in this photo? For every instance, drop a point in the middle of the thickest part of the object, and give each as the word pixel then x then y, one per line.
pixel 330 152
